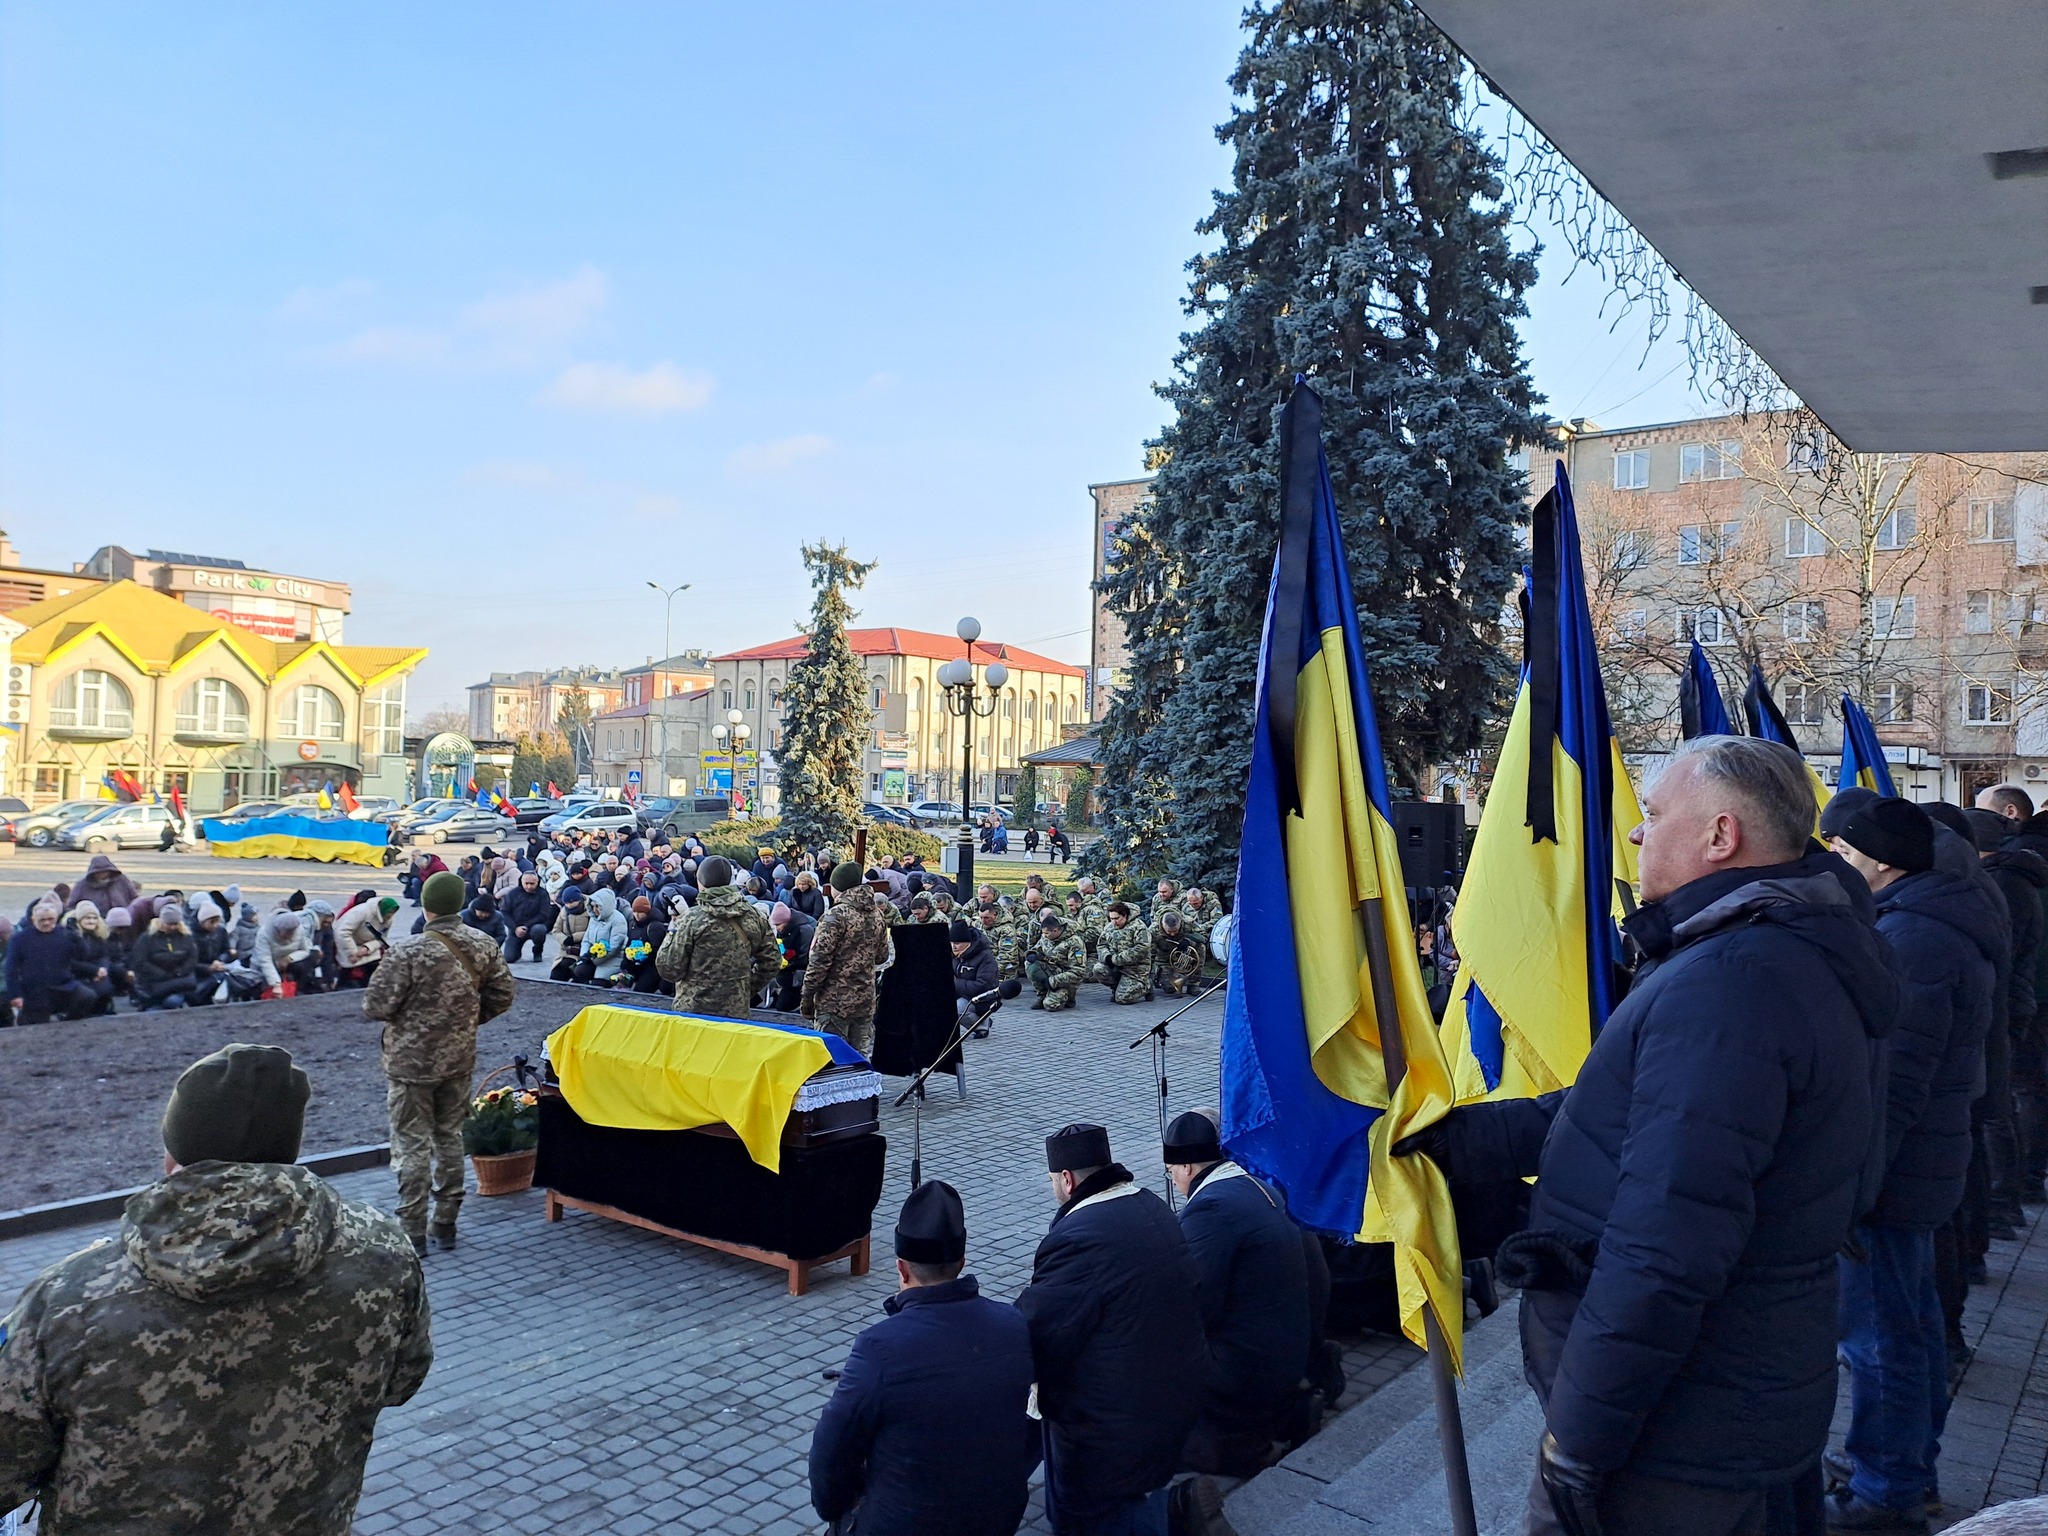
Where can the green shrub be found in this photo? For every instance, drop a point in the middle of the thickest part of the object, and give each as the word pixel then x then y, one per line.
pixel 737 840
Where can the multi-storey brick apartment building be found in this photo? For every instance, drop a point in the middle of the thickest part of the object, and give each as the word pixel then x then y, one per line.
pixel 1917 583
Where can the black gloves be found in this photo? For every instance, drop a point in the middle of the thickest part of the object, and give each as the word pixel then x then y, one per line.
pixel 1574 1489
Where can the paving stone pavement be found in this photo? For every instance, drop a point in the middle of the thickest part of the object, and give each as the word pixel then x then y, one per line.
pixel 592 1377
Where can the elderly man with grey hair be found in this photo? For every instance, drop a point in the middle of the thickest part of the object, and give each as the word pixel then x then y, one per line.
pixel 1694 1184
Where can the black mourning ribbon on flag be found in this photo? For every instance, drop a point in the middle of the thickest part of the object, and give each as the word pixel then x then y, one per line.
pixel 1688 704
pixel 1301 442
pixel 1542 657
pixel 1763 711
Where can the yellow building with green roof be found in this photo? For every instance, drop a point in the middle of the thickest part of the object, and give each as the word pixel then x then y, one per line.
pixel 123 676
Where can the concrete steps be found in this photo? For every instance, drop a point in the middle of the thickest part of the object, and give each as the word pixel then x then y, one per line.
pixel 1377 1468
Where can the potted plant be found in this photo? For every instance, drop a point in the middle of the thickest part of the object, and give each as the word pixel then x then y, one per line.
pixel 500 1134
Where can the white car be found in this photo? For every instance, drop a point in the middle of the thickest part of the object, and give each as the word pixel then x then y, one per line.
pixel 929 811
pixel 597 816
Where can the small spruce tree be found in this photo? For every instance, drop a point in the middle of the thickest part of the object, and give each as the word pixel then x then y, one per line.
pixel 827 719
pixel 1364 243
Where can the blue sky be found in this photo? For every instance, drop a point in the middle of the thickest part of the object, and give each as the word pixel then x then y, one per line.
pixel 498 311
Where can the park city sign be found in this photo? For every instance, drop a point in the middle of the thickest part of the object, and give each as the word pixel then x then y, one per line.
pixel 268 586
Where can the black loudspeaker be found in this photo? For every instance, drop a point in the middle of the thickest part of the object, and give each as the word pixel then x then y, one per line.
pixel 1431 834
pixel 914 1013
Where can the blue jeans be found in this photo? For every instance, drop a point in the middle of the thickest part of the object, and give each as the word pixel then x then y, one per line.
pixel 1898 1366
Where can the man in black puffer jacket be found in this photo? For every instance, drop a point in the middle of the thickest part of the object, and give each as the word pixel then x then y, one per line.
pixel 1946 935
pixel 1694 1185
pixel 2022 879
pixel 2027 832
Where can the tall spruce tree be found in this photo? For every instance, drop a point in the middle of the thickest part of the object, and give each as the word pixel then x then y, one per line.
pixel 827 719
pixel 1364 243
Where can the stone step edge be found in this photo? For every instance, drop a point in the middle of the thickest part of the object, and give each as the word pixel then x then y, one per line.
pixel 85 1210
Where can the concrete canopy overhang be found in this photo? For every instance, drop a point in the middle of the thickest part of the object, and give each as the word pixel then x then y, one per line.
pixel 1820 172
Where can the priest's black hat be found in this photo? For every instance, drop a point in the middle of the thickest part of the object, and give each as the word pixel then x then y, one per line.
pixel 1076 1146
pixel 1191 1138
pixel 932 1228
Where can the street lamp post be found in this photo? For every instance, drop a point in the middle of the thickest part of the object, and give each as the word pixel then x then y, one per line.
pixel 738 732
pixel 668 599
pixel 957 678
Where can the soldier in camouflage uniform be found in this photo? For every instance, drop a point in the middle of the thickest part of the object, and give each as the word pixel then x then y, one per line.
pixel 1197 914
pixel 1176 958
pixel 851 945
pixel 219 1366
pixel 1003 940
pixel 985 896
pixel 722 954
pixel 1081 923
pixel 1125 966
pixel 923 912
pixel 1058 966
pixel 432 991
pixel 1029 917
pixel 1164 900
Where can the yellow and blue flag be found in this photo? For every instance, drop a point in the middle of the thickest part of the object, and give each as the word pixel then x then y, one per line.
pixel 1768 721
pixel 1551 865
pixel 1326 1001
pixel 1862 754
pixel 1700 710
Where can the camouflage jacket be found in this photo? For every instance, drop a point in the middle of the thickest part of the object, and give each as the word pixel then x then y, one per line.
pixel 1029 926
pixel 1128 947
pixel 721 954
pixel 1011 950
pixel 218 1367
pixel 852 941
pixel 1065 960
pixel 432 999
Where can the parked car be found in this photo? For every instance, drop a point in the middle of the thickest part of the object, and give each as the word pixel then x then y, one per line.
pixel 895 815
pixel 532 811
pixel 248 810
pixel 928 812
pixel 1003 813
pixel 596 816
pixel 375 808
pixel 118 826
pixel 653 810
pixel 466 823
pixel 695 815
pixel 39 829
pixel 11 811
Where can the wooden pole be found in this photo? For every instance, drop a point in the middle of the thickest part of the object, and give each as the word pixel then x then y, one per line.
pixel 1450 1421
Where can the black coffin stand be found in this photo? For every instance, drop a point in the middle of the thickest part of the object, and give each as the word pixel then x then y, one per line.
pixel 702 1187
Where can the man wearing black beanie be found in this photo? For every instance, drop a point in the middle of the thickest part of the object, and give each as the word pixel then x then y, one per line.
pixel 929 1428
pixel 231 1352
pixel 1943 930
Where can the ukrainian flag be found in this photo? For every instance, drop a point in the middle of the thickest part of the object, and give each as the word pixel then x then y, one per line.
pixel 1700 710
pixel 1325 987
pixel 1862 755
pixel 1551 866
pixel 1768 721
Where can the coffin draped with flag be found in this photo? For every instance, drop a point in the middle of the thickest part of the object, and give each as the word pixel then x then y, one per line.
pixel 1323 967
pixel 1551 864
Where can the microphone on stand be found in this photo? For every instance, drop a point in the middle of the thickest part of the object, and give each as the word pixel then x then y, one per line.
pixel 997 995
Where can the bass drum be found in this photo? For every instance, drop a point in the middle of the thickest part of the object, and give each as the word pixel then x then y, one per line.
pixel 1219 938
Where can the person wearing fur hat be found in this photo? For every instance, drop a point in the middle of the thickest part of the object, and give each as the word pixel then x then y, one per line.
pixel 1116 1337
pixel 929 1428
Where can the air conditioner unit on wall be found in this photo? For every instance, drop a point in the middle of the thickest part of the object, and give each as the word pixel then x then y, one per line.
pixel 2032 771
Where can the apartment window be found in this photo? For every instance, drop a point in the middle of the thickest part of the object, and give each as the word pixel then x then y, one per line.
pixel 1987 704
pixel 1806 619
pixel 1803 703
pixel 1803 541
pixel 1710 461
pixel 1891 703
pixel 1899 527
pixel 384 720
pixel 214 707
pixel 749 706
pixel 1704 543
pixel 1806 454
pixel 1892 618
pixel 311 713
pixel 775 693
pixel 1977 613
pixel 92 701
pixel 1632 470
pixel 1709 626
pixel 1632 548
pixel 1991 520
pixel 725 698
pixel 1632 625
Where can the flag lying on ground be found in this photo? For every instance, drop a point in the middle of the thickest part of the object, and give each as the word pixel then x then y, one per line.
pixel 1862 755
pixel 1700 710
pixel 1325 986
pixel 1768 721
pixel 1535 920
